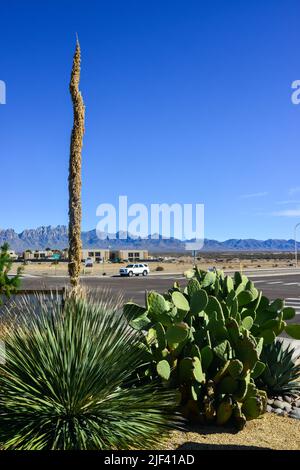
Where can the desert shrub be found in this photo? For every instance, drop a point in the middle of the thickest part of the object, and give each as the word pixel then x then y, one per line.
pixel 69 382
pixel 282 373
pixel 206 340
pixel 8 284
pixel 159 268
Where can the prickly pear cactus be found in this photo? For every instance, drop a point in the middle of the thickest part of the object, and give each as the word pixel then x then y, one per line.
pixel 206 340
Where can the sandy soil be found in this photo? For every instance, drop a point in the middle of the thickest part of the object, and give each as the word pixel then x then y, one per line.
pixel 269 432
pixel 181 265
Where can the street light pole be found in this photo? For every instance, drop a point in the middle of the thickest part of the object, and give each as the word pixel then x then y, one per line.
pixel 296 251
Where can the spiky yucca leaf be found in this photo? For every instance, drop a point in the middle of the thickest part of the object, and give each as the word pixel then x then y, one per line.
pixel 68 381
pixel 282 373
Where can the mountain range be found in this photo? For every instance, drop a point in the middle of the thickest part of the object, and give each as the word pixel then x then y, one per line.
pixel 57 238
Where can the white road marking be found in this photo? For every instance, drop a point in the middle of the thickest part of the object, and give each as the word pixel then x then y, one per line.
pixel 173 278
pixel 275 282
pixel 291 284
pixel 274 274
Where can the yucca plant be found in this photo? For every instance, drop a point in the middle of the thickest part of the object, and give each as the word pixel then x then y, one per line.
pixel 69 381
pixel 75 211
pixel 282 373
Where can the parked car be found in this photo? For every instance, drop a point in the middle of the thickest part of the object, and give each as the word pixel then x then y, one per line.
pixel 135 269
pixel 88 263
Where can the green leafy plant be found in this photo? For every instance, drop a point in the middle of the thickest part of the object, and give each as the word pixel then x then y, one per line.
pixel 282 373
pixel 206 340
pixel 8 284
pixel 69 381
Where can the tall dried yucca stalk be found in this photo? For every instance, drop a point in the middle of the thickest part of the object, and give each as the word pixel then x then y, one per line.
pixel 75 244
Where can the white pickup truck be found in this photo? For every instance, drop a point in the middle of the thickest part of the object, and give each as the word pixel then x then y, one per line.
pixel 135 269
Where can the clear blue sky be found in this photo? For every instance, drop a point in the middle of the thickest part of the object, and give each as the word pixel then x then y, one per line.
pixel 186 101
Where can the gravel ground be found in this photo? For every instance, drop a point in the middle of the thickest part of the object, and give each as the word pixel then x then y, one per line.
pixel 269 432
pixel 285 406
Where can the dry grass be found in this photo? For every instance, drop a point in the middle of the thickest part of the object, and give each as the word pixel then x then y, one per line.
pixel 271 432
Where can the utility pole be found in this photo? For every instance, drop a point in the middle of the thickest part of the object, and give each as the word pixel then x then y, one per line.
pixel 295 238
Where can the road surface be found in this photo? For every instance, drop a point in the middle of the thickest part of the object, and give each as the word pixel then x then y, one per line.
pixel 284 284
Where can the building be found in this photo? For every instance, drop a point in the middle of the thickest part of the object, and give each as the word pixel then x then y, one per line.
pixel 13 255
pixel 37 254
pixel 129 255
pixel 31 255
pixel 103 255
pixel 98 255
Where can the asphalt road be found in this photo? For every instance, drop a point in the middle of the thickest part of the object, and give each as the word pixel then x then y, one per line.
pixel 283 284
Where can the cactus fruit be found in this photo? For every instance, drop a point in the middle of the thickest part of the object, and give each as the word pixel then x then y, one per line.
pixel 252 407
pixel 224 411
pixel 239 417
pixel 209 409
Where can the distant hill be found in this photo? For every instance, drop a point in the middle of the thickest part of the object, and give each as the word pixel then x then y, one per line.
pixel 57 237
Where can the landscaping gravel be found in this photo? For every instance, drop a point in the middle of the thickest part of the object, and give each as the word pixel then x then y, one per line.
pixel 286 405
pixel 269 432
